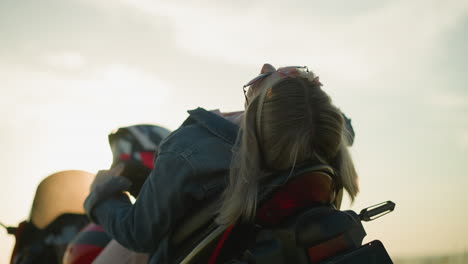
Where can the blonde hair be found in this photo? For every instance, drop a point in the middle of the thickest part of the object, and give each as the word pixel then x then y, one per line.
pixel 292 122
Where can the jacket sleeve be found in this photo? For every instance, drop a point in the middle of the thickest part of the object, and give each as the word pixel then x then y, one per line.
pixel 163 199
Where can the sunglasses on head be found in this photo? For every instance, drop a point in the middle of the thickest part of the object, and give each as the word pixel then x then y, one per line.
pixel 290 70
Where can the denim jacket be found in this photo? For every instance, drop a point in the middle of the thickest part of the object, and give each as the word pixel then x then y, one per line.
pixel 192 165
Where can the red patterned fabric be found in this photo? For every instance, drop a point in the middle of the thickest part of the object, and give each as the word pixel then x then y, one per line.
pixel 315 187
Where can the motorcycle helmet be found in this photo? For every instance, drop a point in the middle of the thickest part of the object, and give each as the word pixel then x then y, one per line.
pixel 136 147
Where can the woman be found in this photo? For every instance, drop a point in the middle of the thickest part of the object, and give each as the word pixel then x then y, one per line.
pixel 289 122
pixel 194 161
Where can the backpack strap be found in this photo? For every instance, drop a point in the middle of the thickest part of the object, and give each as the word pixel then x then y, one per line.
pixel 220 244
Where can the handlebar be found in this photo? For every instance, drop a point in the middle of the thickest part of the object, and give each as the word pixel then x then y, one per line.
pixel 10 230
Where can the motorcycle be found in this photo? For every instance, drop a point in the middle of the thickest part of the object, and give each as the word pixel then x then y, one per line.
pixel 58 231
pixel 57 215
pixel 293 225
pixel 315 234
pixel 296 223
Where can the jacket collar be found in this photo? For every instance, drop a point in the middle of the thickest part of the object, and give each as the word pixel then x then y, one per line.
pixel 215 124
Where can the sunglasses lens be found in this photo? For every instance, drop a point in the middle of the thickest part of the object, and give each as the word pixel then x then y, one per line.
pixel 254 80
pixel 284 71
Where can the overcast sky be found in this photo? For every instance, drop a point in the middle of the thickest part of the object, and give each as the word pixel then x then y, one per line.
pixel 72 71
